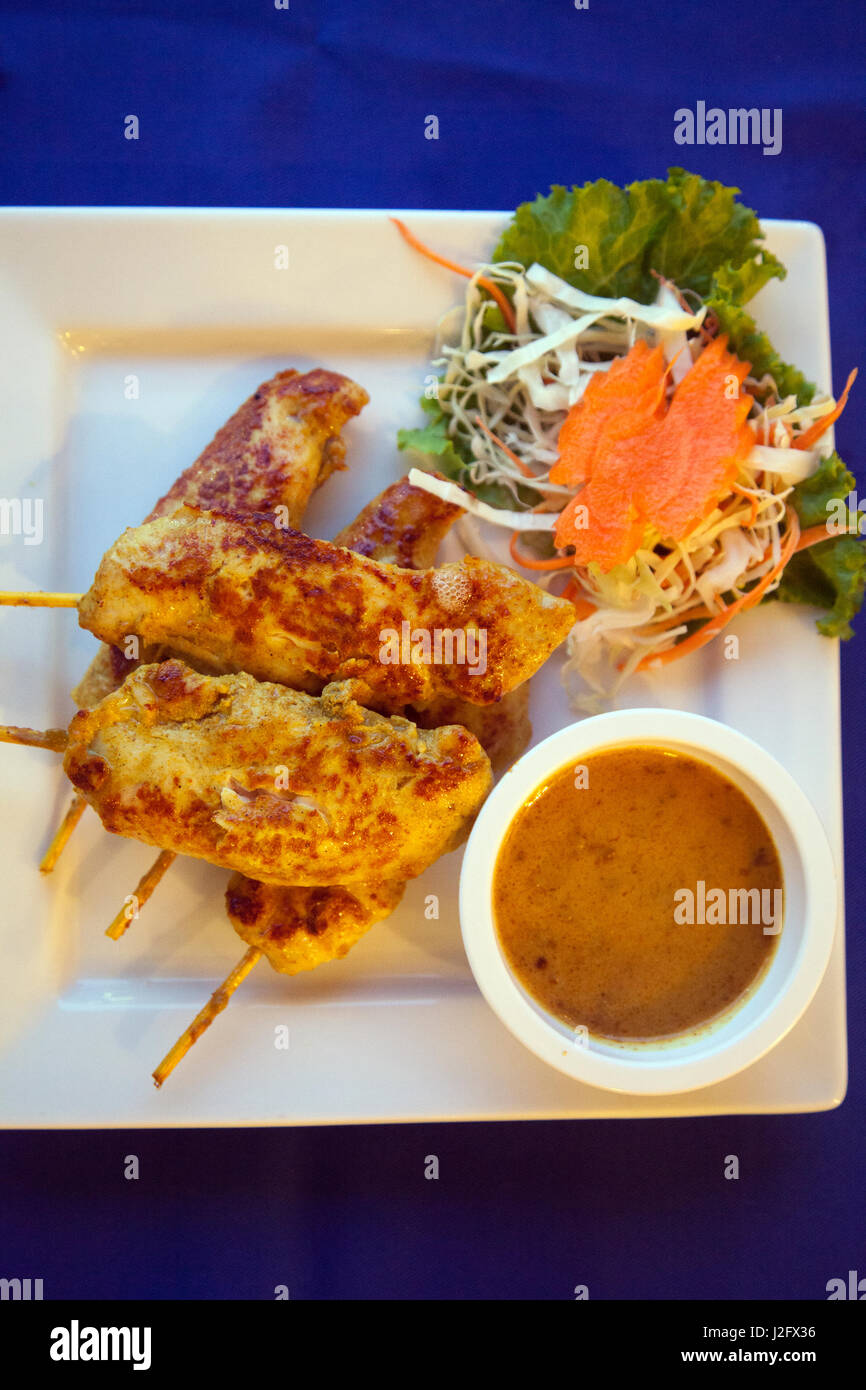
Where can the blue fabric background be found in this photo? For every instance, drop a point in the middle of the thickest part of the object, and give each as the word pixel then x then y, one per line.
pixel 323 105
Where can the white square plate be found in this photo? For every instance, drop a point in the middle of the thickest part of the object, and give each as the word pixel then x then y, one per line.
pixel 188 305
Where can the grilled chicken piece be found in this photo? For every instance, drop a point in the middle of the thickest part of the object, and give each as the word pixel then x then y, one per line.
pixel 402 526
pixel 108 669
pixel 236 593
pixel 274 452
pixel 503 729
pixel 285 787
pixel 300 928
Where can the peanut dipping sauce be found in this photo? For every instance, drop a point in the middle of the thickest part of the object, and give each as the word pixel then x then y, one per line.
pixel 584 893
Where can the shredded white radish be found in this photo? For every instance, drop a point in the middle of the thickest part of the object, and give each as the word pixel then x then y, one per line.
pixel 459 497
pixel 534 352
pixel 665 315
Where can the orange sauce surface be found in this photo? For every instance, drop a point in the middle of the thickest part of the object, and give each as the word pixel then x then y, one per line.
pixel 595 871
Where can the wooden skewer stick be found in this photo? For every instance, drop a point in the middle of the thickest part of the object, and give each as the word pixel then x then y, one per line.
pixel 137 900
pixel 205 1018
pixel 53 739
pixel 76 810
pixel 37 599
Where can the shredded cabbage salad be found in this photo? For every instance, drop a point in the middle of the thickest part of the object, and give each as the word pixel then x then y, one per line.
pixel 504 394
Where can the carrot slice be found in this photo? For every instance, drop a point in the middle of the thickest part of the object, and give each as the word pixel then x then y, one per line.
pixel 671 472
pixel 615 404
pixel 583 607
pixel 602 522
pixel 775 426
pixel 713 628
pixel 813 536
pixel 814 432
pixel 694 453
pixel 492 289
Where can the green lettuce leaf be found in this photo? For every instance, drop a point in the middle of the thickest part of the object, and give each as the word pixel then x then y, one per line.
pixel 609 240
pixel 750 343
pixel 433 439
pixel 437 452
pixel 742 282
pixel 709 229
pixel 831 482
pixel 608 228
pixel 831 575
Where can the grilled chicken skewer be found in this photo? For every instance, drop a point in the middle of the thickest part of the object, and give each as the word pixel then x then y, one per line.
pixel 403 525
pixel 288 787
pixel 383 788
pixel 294 788
pixel 300 928
pixel 274 452
pixel 236 592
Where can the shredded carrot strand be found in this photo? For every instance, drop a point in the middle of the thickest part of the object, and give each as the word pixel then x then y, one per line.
pixel 530 563
pixel 524 468
pixel 489 285
pixel 713 628
pixel 816 534
pixel 814 432
pixel 813 536
pixel 773 426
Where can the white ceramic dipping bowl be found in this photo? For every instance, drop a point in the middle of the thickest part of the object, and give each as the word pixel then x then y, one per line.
pixel 754 1023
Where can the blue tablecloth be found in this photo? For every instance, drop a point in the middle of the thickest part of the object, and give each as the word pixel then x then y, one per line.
pixel 321 104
